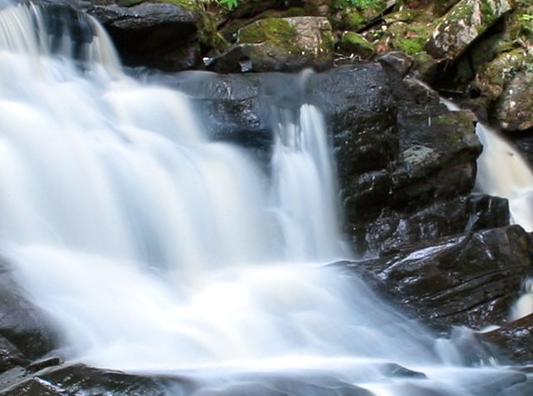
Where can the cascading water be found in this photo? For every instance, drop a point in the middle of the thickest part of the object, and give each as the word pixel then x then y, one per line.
pixel 156 249
pixel 514 179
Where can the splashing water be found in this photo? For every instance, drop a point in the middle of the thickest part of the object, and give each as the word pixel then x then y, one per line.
pixel 156 249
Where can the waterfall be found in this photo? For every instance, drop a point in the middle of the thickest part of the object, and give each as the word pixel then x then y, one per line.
pixel 154 248
pixel 513 180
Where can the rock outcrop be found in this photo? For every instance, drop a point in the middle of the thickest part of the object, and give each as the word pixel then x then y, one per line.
pixel 463 24
pixel 279 44
pixel 471 279
pixel 154 34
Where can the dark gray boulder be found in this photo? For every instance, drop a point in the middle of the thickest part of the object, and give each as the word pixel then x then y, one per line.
pixel 471 279
pixel 26 332
pixel 406 164
pixel 152 34
pixel 513 340
pixel 79 379
pixel 402 156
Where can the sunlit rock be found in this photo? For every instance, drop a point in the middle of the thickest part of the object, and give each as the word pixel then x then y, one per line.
pixel 279 44
pixel 514 108
pixel 465 22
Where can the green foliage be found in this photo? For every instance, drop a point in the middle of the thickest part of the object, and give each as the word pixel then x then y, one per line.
pixel 339 4
pixel 526 22
pixel 360 4
pixel 229 4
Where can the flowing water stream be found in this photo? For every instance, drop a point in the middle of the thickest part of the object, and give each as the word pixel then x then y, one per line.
pixel 155 249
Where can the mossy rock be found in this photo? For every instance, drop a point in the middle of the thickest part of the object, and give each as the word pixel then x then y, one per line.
pixel 409 38
pixel 281 44
pixel 208 34
pixel 355 18
pixel 520 24
pixel 465 22
pixel 355 44
pixel 350 19
pixel 493 76
pixel 514 108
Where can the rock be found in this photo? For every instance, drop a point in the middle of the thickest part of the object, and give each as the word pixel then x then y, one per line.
pixel 471 279
pixel 355 16
pixel 514 107
pixel 486 212
pixel 513 339
pixel 493 76
pixel 410 153
pixel 22 324
pixel 279 44
pixel 406 164
pixel 10 356
pixel 152 34
pixel 355 45
pixel 463 24
pixel 394 229
pixel 78 379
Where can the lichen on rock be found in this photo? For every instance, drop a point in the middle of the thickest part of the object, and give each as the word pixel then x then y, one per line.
pixel 280 44
pixel 465 22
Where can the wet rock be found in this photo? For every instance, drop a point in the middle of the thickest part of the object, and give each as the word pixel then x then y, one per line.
pixel 159 35
pixel 471 279
pixel 398 168
pixel 22 324
pixel 464 23
pixel 279 44
pixel 513 339
pixel 394 229
pixel 406 164
pixel 10 356
pixel 290 382
pixel 486 212
pixel 79 379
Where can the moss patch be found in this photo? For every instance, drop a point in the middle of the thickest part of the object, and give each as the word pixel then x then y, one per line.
pixel 278 32
pixel 356 44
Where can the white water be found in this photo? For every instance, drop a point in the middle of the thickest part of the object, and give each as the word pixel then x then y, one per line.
pixel 155 249
pixel 513 178
pixel 503 172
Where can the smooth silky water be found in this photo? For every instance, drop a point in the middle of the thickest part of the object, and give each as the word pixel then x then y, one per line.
pixel 156 250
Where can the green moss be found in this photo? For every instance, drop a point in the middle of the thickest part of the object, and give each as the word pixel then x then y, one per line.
pixel 353 43
pixel 354 20
pixel 409 38
pixel 376 5
pixel 277 31
pixel 208 34
pixel 410 46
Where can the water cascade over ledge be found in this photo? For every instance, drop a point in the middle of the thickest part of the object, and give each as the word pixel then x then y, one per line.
pixel 156 249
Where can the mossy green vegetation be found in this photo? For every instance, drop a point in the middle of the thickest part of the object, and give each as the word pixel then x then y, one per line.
pixel 360 4
pixel 277 31
pixel 356 44
pixel 208 34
